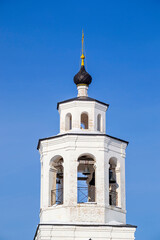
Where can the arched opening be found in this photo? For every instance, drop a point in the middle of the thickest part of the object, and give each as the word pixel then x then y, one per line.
pixel 68 122
pixel 86 179
pixel 99 123
pixel 84 121
pixel 56 180
pixel 113 182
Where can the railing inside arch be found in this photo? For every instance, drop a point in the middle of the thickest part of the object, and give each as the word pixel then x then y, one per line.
pixel 86 194
pixel 57 196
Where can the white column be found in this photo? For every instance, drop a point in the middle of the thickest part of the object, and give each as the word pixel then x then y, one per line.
pixel 45 183
pixel 106 174
pixel 122 183
pixel 41 189
pixel 100 178
pixel 70 179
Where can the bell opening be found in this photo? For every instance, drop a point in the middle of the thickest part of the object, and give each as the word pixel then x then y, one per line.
pixel 85 180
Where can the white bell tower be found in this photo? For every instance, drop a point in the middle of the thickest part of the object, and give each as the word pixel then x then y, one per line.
pixel 83 173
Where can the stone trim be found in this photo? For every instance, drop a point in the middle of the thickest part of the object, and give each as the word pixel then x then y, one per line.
pixel 82 99
pixel 80 134
pixel 83 225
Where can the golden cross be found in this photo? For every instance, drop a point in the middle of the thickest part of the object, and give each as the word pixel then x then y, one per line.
pixel 82 40
pixel 82 56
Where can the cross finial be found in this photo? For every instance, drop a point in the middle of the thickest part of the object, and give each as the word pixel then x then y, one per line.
pixel 82 56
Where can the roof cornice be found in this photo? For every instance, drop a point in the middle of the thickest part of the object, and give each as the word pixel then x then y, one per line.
pixel 82 99
pixel 80 134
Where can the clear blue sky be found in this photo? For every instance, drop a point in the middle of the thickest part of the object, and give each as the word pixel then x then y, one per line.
pixel 40 44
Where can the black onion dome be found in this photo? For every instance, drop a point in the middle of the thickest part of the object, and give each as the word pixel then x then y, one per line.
pixel 82 77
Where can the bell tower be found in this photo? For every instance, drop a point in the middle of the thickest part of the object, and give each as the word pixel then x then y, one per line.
pixel 83 173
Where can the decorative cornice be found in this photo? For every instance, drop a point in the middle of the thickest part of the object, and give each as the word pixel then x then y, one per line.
pixel 81 225
pixel 82 99
pixel 80 134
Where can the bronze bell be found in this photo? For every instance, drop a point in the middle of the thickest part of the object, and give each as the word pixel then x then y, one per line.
pixel 111 177
pixel 86 171
pixel 92 182
pixel 59 173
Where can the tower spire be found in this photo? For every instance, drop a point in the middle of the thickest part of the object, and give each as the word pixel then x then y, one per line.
pixel 82 79
pixel 82 56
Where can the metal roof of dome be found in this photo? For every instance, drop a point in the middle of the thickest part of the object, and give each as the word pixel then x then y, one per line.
pixel 82 77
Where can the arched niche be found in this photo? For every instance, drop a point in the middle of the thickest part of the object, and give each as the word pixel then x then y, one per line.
pixel 84 121
pixel 86 176
pixel 99 123
pixel 114 182
pixel 56 174
pixel 68 122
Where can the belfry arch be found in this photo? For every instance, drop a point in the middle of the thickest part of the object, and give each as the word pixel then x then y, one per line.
pixel 56 180
pixel 86 179
pixel 114 182
pixel 84 120
pixel 99 123
pixel 68 121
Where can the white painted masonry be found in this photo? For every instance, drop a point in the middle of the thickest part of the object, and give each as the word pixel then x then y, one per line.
pixel 82 91
pixel 76 108
pixel 71 219
pixel 70 147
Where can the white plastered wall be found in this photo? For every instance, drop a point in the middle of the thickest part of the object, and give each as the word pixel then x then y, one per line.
pixel 70 147
pixel 76 108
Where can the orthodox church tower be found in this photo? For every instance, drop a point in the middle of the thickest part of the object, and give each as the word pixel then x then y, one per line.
pixel 83 173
